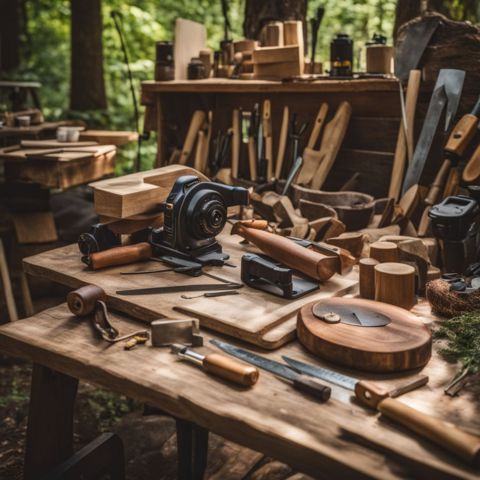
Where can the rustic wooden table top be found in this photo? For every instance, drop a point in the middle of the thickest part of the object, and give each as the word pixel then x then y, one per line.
pixel 338 439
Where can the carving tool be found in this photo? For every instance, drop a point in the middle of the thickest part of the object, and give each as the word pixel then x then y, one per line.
pixel 211 294
pixel 457 142
pixel 166 332
pixel 267 133
pixel 252 139
pixel 219 365
pixel 295 135
pixel 236 139
pixel 282 143
pixel 460 443
pixel 447 92
pixel 304 383
pixel 297 165
pixel 180 288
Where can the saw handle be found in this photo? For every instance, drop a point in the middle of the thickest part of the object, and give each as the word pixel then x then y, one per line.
pixel 451 438
pixel 120 255
pixel 230 369
pixel 312 386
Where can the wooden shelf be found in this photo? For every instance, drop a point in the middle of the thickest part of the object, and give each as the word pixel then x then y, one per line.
pixel 220 85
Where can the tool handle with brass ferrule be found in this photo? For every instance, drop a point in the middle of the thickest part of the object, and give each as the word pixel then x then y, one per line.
pixel 252 159
pixel 230 369
pixel 312 386
pixel 448 436
pixel 120 255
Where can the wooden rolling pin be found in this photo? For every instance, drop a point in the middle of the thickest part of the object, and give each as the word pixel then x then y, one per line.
pixel 220 365
pixel 316 265
pixel 120 256
pixel 453 439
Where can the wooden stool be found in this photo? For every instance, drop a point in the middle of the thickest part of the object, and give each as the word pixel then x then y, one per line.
pixel 395 284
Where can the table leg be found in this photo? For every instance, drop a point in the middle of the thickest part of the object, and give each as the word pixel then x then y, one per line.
pixel 192 450
pixel 50 421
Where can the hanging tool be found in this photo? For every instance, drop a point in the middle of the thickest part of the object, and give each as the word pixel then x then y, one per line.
pixel 453 439
pixel 261 160
pixel 410 51
pixel 404 147
pixel 296 167
pixel 274 278
pixel 304 383
pixel 252 141
pixel 457 142
pixel 236 141
pixel 268 141
pixel 198 119
pixel 282 143
pixel 219 365
pixel 317 126
pixel 315 25
pixel 447 92
pixel 294 136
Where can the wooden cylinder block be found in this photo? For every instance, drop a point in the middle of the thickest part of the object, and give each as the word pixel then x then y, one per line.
pixel 273 35
pixel 384 251
pixel 367 277
pixel 379 59
pixel 395 284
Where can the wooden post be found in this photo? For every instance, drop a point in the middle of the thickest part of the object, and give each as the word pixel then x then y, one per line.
pixel 7 285
pixel 50 421
pixel 192 450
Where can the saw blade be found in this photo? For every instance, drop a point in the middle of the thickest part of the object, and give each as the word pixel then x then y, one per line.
pixel 336 378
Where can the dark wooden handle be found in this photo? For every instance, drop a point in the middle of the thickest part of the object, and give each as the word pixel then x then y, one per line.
pixel 230 369
pixel 83 301
pixel 120 255
pixel 462 134
pixel 313 387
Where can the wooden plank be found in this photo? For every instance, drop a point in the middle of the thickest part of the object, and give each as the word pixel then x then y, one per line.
pixel 35 227
pixel 250 315
pixel 137 193
pixel 190 38
pixel 287 54
pixel 339 438
pixel 218 85
pixel 109 137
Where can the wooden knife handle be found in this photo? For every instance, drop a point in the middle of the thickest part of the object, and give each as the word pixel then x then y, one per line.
pixel 453 439
pixel 448 436
pixel 313 387
pixel 230 369
pixel 120 255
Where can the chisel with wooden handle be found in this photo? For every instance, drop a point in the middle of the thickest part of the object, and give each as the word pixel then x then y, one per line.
pixel 198 119
pixel 119 256
pixel 460 443
pixel 219 365
pixel 282 143
pixel 267 134
pixel 236 140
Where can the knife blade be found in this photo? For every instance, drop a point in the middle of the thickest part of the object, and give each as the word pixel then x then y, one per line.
pixel 180 288
pixel 305 383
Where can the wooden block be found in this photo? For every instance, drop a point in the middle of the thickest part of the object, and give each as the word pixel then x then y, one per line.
pixel 137 193
pixel 245 45
pixel 275 71
pixel 367 277
pixel 384 251
pixel 109 137
pixel 293 35
pixel 273 34
pixel 395 284
pixel 35 227
pixel 190 38
pixel 277 54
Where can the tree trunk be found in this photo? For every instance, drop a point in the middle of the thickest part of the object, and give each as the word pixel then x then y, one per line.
pixel 259 12
pixel 9 34
pixel 87 86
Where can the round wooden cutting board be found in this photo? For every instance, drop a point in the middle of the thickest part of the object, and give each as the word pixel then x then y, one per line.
pixel 402 344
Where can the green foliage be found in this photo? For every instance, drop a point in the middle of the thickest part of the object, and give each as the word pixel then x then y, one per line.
pixel 463 340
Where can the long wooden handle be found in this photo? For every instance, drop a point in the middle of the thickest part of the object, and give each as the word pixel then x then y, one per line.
pixel 472 170
pixel 230 369
pixel 206 142
pixel 451 438
pixel 252 159
pixel 316 265
pixel 198 118
pixel 438 183
pixel 120 255
pixel 267 133
pixel 282 143
pixel 317 126
pixel 331 142
pixel 462 134
pixel 236 139
pixel 197 163
pixel 404 146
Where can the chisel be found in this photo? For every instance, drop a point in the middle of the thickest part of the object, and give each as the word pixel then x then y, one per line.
pixel 219 365
pixel 460 443
pixel 304 383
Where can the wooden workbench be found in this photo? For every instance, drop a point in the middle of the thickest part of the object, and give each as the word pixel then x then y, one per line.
pixel 369 143
pixel 336 440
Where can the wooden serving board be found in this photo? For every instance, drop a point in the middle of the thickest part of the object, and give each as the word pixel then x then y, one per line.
pixel 405 343
pixel 252 315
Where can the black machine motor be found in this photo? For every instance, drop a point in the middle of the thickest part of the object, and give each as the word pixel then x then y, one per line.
pixel 341 56
pixel 456 223
pixel 194 213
